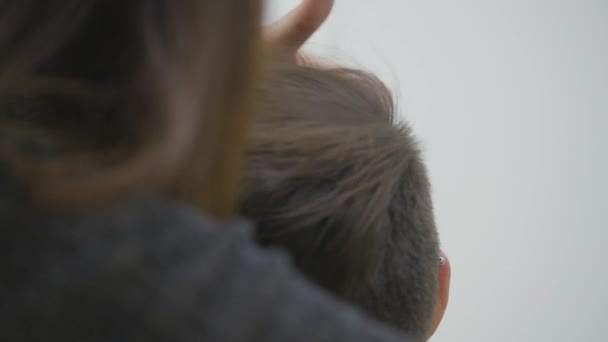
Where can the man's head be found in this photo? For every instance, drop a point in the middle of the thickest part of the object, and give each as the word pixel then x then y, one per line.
pixel 335 180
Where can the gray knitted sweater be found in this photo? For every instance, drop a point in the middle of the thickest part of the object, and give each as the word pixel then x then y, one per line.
pixel 149 269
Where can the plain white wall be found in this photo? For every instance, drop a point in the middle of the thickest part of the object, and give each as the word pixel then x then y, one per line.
pixel 511 100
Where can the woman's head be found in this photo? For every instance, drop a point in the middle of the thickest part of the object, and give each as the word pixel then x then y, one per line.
pixel 135 93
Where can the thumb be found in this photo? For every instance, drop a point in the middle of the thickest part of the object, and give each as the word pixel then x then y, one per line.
pixel 295 28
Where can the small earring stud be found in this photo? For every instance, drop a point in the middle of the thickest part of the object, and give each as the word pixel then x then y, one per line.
pixel 441 261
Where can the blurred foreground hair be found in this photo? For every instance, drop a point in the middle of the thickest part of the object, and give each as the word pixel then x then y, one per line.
pixel 100 99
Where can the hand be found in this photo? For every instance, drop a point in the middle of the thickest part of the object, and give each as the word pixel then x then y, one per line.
pixel 291 32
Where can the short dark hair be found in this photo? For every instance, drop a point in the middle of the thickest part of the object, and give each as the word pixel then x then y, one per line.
pixel 333 178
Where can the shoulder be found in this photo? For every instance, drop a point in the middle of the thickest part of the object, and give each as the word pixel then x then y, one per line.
pixel 152 269
pixel 146 264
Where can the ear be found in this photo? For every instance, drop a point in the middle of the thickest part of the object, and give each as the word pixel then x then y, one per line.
pixel 294 29
pixel 445 274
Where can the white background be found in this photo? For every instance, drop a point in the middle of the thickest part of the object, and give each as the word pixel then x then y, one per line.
pixel 511 100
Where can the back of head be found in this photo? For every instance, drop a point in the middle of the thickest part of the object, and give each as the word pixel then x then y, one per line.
pixel 333 178
pixel 139 92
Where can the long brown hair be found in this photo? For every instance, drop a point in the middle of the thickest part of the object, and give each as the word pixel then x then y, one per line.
pixel 135 95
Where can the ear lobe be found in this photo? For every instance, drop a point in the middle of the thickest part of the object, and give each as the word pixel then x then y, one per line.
pixel 445 274
pixel 294 29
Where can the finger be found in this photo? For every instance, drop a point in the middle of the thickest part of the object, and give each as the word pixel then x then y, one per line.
pixel 295 28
